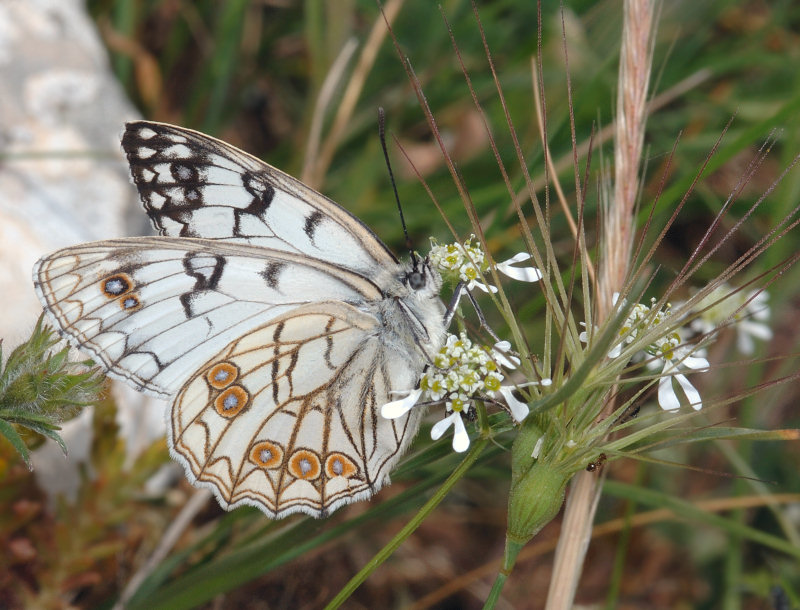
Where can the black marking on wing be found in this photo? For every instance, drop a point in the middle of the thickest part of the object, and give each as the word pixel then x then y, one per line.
pixel 276 337
pixel 157 193
pixel 262 191
pixel 192 185
pixel 312 222
pixel 257 185
pixel 290 371
pixel 196 265
pixel 178 195
pixel 271 273
pixel 329 344
pixel 184 173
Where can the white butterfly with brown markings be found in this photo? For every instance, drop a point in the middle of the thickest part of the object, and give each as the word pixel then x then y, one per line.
pixel 276 322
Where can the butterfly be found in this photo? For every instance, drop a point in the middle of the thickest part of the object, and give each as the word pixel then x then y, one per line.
pixel 275 321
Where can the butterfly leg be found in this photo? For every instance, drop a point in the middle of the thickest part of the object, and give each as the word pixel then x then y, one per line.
pixel 460 290
pixel 482 319
pixel 452 307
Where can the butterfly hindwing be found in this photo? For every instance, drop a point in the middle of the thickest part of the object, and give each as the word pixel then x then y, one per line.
pixel 287 417
pixel 153 309
pixel 193 185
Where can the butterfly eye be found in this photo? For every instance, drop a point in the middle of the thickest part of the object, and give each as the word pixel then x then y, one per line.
pixel 416 280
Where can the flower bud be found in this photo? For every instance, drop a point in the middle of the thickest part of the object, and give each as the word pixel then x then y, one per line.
pixel 537 491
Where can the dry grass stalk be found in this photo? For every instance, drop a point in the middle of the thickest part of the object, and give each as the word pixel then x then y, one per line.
pixel 634 77
pixel 617 231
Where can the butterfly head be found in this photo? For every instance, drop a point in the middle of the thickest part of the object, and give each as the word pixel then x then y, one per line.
pixel 422 278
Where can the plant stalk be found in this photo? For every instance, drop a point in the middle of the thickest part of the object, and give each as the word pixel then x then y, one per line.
pixel 618 232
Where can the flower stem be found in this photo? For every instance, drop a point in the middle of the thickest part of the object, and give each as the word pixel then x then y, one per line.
pixel 509 560
pixel 382 555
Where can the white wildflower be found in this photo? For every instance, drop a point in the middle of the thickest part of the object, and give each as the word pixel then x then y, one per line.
pixel 668 353
pixel 667 397
pixel 462 372
pixel 748 311
pixel 467 262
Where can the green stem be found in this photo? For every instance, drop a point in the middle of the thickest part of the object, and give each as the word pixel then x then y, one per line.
pixel 509 560
pixel 391 547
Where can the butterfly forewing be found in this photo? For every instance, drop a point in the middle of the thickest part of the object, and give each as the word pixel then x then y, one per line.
pixel 193 185
pixel 287 417
pixel 151 310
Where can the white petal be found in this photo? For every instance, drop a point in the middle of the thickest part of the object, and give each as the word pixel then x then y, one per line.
pixel 460 436
pixel 440 427
pixel 745 343
pixel 666 394
pixel 756 329
pixel 615 351
pixel 484 287
pixel 398 408
pixel 519 410
pixel 691 392
pixel 501 348
pixel 695 363
pixel 761 314
pixel 507 362
pixel 523 274
pixel 517 258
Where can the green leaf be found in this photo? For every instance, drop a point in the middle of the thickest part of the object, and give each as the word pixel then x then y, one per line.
pixel 15 439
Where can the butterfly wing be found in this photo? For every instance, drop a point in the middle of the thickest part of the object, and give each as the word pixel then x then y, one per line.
pixel 151 310
pixel 286 418
pixel 193 185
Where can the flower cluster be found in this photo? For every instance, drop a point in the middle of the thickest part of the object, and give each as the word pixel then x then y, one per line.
pixel 460 262
pixel 461 372
pixel 668 352
pixel 467 263
pixel 749 311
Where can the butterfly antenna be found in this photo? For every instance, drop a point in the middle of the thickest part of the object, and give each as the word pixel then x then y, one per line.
pixel 382 134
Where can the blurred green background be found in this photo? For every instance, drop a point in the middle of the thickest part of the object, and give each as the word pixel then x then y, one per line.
pixel 250 72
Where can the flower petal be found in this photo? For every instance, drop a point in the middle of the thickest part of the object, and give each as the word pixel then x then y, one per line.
pixel 506 361
pixel 666 394
pixel 695 363
pixel 484 287
pixel 460 436
pixel 523 274
pixel 440 427
pixel 756 329
pixel 519 410
pixel 517 258
pixel 745 343
pixel 398 408
pixel 691 392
